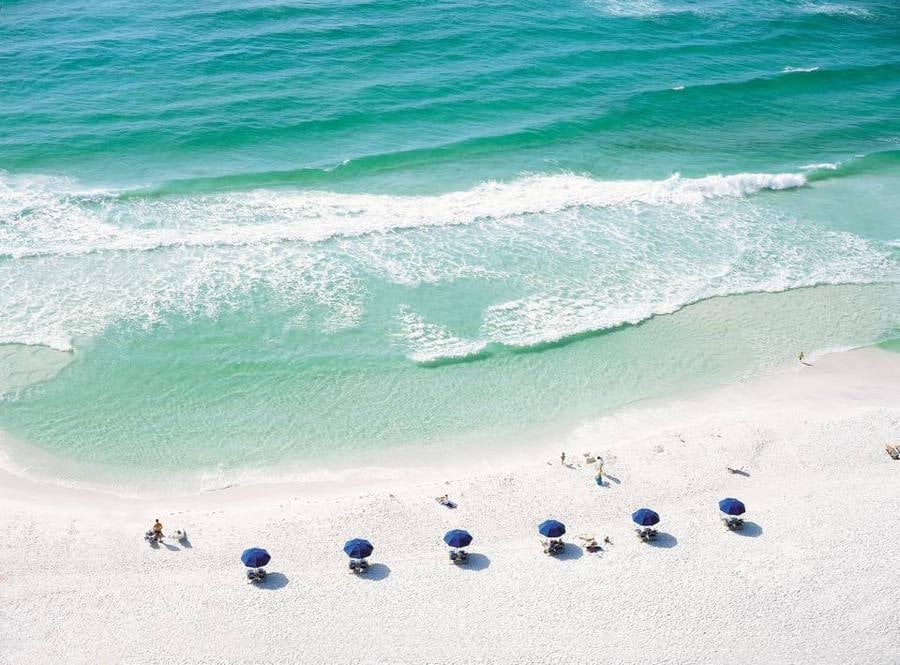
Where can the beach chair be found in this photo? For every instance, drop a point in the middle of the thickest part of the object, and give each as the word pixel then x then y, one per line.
pixel 359 567
pixel 733 523
pixel 553 547
pixel 647 534
pixel 256 575
pixel 459 557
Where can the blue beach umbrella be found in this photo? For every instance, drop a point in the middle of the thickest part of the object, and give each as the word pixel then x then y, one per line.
pixel 645 517
pixel 552 529
pixel 458 538
pixel 255 557
pixel 732 507
pixel 358 548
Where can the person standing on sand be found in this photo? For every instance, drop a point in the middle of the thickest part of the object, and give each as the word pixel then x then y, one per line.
pixel 599 470
pixel 562 458
pixel 801 356
pixel 157 530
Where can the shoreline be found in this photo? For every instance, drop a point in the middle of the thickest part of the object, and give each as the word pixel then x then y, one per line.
pixel 809 581
pixel 594 378
pixel 390 467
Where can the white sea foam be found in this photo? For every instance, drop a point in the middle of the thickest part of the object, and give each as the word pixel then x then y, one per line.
pixel 39 220
pixel 790 70
pixel 824 166
pixel 678 87
pixel 578 254
pixel 428 342
pixel 648 8
pixel 835 9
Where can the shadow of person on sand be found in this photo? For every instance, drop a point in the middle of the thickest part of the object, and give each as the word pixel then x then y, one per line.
pixel 185 543
pixel 273 581
pixel 171 548
pixel 570 552
pixel 750 530
pixel 663 540
pixel 612 478
pixel 376 571
pixel 476 562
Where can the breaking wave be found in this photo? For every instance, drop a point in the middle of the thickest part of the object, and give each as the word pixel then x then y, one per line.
pixel 573 254
pixel 47 217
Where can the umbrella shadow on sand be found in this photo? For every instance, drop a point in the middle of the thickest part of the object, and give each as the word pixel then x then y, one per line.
pixel 273 581
pixel 750 530
pixel 476 562
pixel 570 552
pixel 376 572
pixel 663 540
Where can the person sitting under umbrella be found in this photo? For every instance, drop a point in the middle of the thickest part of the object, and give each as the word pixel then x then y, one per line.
pixel 358 549
pixel 554 531
pixel 646 518
pixel 255 558
pixel 458 538
pixel 732 509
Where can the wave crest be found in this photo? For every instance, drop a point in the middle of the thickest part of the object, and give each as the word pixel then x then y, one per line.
pixel 546 257
pixel 49 217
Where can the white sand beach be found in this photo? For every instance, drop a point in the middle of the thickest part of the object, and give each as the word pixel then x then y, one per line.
pixel 812 579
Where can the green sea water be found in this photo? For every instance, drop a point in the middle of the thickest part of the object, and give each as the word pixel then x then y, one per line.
pixel 245 234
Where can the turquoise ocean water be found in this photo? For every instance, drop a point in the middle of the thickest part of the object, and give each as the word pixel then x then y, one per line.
pixel 246 234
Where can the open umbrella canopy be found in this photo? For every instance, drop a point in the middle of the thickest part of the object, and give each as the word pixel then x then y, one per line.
pixel 358 548
pixel 551 529
pixel 645 517
pixel 458 538
pixel 255 557
pixel 732 507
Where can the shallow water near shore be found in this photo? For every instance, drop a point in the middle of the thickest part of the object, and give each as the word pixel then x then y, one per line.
pixel 399 225
pixel 482 410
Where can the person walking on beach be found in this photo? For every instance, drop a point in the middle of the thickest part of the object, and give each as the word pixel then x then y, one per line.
pixel 562 458
pixel 157 530
pixel 600 471
pixel 801 356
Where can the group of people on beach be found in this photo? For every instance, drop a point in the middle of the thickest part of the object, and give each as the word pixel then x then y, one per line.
pixel 589 459
pixel 155 534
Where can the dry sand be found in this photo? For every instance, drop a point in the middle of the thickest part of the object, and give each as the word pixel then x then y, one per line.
pixel 814 578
